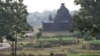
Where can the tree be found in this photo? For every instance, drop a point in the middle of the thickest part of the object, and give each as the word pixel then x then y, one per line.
pixel 12 39
pixel 13 14
pixel 39 34
pixel 88 16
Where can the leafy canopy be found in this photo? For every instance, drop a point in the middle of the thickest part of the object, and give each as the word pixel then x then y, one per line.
pixel 13 14
pixel 88 18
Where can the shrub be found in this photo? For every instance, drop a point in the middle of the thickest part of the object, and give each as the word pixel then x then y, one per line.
pixel 94 45
pixel 98 37
pixel 51 54
pixel 93 54
pixel 31 55
pixel 88 38
pixel 45 45
pixel 95 42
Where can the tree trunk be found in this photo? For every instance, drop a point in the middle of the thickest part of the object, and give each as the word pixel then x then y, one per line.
pixel 12 48
pixel 16 45
pixel 1 40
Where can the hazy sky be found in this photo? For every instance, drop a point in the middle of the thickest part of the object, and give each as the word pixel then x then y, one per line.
pixel 42 5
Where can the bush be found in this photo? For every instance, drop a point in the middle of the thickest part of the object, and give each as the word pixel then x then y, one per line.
pixel 95 42
pixel 31 55
pixel 88 38
pixel 71 30
pixel 51 54
pixel 68 42
pixel 98 37
pixel 94 45
pixel 93 54
pixel 46 45
pixel 28 45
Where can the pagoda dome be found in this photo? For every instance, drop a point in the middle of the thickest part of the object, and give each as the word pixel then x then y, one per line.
pixel 62 14
pixel 62 10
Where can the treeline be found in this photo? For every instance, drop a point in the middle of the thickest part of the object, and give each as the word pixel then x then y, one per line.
pixel 36 18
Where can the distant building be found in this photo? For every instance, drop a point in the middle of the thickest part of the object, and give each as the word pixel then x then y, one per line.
pixel 61 22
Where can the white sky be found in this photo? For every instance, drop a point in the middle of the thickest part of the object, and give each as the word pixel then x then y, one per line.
pixel 42 5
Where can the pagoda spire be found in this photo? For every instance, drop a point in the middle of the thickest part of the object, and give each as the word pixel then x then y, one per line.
pixel 50 18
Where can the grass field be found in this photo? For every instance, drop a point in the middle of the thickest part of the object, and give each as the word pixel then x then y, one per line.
pixel 69 50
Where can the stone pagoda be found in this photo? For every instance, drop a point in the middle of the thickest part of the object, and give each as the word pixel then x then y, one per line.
pixel 61 22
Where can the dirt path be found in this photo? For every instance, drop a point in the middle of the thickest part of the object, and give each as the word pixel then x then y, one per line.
pixel 5 44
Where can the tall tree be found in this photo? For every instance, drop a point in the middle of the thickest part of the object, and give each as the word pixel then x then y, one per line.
pixel 13 14
pixel 88 18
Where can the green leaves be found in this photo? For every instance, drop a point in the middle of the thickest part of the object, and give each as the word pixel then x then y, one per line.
pixel 88 16
pixel 10 37
pixel 38 35
pixel 13 16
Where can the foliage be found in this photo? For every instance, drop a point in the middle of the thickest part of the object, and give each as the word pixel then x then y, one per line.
pixel 56 39
pixel 11 38
pixel 91 55
pixel 95 42
pixel 49 42
pixel 38 35
pixel 98 37
pixel 88 38
pixel 71 30
pixel 88 18
pixel 13 15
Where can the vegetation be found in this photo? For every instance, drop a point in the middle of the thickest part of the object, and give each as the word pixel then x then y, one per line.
pixel 13 15
pixel 46 45
pixel 39 34
pixel 83 43
pixel 95 42
pixel 88 17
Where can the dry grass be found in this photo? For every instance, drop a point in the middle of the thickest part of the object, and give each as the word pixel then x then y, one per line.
pixel 56 33
pixel 47 51
pixel 68 49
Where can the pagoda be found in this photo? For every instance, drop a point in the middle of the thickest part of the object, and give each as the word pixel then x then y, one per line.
pixel 61 22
